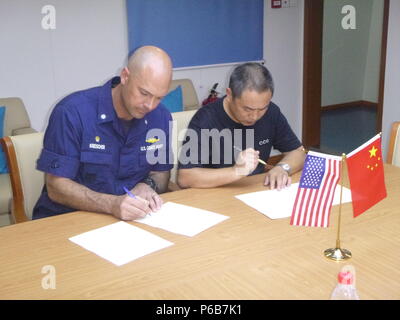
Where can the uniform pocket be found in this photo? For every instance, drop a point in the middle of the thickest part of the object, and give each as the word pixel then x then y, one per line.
pixel 133 164
pixel 97 171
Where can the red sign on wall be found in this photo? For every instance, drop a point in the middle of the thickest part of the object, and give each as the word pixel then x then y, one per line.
pixel 275 4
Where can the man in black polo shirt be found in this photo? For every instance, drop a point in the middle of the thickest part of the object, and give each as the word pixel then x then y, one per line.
pixel 227 139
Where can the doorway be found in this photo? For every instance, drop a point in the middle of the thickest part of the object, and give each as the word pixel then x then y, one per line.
pixel 343 74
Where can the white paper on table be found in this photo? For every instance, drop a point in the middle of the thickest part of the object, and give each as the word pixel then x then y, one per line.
pixel 279 204
pixel 182 219
pixel 120 242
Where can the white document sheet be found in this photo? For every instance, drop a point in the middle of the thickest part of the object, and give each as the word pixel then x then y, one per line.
pixel 120 242
pixel 182 219
pixel 279 204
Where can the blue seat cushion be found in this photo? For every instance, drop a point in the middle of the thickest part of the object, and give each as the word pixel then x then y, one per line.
pixel 173 101
pixel 3 162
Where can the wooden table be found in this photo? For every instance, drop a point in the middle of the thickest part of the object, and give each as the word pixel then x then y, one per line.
pixel 247 256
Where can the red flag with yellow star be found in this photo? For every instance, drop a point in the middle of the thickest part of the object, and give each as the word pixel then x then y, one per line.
pixel 367 181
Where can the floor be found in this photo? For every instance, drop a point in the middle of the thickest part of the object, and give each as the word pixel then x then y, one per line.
pixel 343 130
pixel 5 219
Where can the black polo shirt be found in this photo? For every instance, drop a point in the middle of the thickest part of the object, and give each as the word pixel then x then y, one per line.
pixel 212 135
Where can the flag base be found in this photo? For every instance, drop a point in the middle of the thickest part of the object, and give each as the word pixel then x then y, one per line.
pixel 337 254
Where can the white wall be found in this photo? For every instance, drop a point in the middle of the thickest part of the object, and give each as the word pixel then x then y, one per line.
pixel 391 107
pixel 373 62
pixel 41 66
pixel 351 58
pixel 90 44
pixel 283 54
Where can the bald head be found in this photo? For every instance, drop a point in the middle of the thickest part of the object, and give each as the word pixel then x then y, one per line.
pixel 144 82
pixel 150 58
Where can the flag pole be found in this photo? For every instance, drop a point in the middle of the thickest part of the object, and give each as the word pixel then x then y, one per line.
pixel 339 254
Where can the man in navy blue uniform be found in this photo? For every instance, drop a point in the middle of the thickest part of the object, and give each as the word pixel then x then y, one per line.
pixel 226 139
pixel 98 141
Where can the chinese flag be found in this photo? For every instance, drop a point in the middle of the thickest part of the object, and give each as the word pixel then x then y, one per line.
pixel 367 181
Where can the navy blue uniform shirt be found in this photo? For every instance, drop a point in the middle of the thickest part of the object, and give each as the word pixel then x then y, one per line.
pixel 213 147
pixel 86 142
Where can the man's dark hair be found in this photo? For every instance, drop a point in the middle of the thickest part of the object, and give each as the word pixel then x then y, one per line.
pixel 250 76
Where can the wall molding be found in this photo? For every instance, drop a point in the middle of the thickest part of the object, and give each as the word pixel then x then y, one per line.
pixel 351 104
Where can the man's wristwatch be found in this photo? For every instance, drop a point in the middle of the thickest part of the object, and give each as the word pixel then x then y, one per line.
pixel 150 182
pixel 285 167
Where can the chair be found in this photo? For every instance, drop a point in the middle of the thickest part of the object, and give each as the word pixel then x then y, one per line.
pixel 181 122
pixel 189 95
pixel 5 199
pixel 16 120
pixel 394 145
pixel 22 151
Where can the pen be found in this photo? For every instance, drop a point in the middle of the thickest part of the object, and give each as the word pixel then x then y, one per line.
pixel 131 194
pixel 259 160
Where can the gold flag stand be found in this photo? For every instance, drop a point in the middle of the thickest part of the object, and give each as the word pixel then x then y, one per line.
pixel 339 254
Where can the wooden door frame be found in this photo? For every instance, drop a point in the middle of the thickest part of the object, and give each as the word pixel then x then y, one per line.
pixel 312 71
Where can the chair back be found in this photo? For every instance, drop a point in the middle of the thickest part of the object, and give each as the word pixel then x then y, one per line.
pixel 22 151
pixel 181 122
pixel 394 145
pixel 16 116
pixel 189 95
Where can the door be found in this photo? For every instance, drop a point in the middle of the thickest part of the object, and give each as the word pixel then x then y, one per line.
pixel 325 82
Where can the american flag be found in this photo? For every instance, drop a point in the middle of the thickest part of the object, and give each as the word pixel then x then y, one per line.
pixel 314 198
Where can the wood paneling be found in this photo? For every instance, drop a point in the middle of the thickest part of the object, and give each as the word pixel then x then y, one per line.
pixel 312 72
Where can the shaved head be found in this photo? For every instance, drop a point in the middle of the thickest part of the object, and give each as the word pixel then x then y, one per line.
pixel 150 57
pixel 144 82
